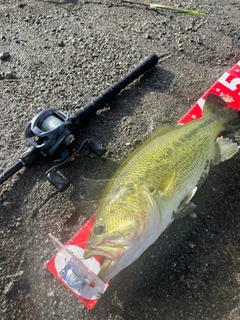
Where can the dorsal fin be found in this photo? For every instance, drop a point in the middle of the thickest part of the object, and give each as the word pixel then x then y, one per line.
pixel 163 129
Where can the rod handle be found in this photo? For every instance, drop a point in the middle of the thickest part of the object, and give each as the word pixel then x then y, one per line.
pixel 86 112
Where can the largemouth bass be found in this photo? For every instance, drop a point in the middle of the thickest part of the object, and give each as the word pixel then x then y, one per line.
pixel 155 183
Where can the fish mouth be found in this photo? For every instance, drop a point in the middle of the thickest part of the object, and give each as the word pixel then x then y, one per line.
pixel 110 258
pixel 111 247
pixel 107 271
pixel 110 251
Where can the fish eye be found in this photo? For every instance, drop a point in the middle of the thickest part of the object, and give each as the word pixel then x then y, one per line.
pixel 99 229
pixel 151 189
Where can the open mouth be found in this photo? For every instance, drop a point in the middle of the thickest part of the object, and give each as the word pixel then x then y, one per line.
pixel 106 269
pixel 111 247
pixel 108 261
pixel 111 251
pixel 110 254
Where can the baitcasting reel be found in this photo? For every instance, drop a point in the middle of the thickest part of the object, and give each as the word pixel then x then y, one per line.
pixel 52 133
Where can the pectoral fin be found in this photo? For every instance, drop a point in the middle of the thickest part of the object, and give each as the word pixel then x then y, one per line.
pixel 164 184
pixel 224 149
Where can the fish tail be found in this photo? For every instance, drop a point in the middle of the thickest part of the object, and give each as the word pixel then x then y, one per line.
pixel 215 107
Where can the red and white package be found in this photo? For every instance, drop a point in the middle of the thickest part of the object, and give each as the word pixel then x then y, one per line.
pixel 227 87
pixel 68 265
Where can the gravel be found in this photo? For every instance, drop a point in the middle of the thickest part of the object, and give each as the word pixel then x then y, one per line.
pixel 4 55
pixel 61 54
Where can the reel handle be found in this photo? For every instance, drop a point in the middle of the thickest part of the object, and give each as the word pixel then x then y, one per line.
pixel 86 112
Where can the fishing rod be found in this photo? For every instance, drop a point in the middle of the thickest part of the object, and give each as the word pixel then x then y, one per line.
pixel 52 133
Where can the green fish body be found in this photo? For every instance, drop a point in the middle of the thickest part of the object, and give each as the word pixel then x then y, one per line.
pixel 155 183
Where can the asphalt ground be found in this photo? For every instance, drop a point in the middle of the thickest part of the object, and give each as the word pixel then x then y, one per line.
pixel 61 55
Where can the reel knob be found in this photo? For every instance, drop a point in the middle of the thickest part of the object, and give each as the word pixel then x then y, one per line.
pixel 58 181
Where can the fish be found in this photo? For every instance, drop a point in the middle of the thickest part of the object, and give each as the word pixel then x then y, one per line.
pixel 156 183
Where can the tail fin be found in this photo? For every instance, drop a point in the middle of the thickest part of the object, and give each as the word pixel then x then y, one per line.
pixel 215 107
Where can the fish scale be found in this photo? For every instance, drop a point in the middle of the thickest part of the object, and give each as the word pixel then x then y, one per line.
pixel 151 162
pixel 147 221
pixel 155 182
